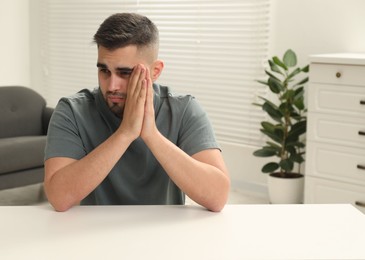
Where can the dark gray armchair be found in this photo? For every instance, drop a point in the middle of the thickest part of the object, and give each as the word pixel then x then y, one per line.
pixel 24 120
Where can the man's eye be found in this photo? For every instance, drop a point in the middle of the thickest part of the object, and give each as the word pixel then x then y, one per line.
pixel 124 74
pixel 103 70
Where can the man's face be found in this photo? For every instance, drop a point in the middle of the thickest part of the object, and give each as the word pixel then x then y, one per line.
pixel 114 69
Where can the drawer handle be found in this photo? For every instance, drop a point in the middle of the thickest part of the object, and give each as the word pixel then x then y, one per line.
pixel 361 167
pixel 362 102
pixel 338 75
pixel 361 133
pixel 360 204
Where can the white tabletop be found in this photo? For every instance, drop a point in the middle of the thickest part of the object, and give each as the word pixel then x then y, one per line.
pixel 183 232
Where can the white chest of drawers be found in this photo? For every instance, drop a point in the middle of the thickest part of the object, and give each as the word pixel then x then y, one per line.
pixel 335 159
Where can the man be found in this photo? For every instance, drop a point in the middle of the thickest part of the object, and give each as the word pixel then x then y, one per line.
pixel 132 141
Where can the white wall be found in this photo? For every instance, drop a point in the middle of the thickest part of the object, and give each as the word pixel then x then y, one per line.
pixel 37 69
pixel 14 48
pixel 317 26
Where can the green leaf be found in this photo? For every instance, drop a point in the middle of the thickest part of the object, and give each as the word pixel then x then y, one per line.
pixel 264 152
pixel 299 128
pixel 299 103
pixel 296 131
pixel 296 116
pixel 297 158
pixel 294 73
pixel 275 85
pixel 273 136
pixel 273 111
pixel 268 126
pixel 270 167
pixel 292 138
pixel 291 151
pixel 277 135
pixel 286 109
pixel 279 132
pixel 290 58
pixel 306 69
pixel 303 81
pixel 288 95
pixel 273 148
pixel 287 165
pixel 278 62
pixel 271 76
pixel 274 145
pixel 262 82
pixel 275 68
pixel 296 144
pixel 299 92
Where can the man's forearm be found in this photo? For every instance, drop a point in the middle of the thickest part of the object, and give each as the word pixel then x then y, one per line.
pixel 69 181
pixel 203 177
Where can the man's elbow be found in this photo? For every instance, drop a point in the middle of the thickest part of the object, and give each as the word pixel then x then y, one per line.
pixel 60 208
pixel 217 209
pixel 218 203
pixel 60 205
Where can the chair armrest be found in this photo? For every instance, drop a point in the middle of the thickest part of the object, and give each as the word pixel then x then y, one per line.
pixel 47 113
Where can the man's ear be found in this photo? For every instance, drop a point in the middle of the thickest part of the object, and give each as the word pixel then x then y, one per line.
pixel 157 68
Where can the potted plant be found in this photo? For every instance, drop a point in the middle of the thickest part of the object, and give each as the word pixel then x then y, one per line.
pixel 285 129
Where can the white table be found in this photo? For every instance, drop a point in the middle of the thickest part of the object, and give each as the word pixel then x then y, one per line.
pixel 183 232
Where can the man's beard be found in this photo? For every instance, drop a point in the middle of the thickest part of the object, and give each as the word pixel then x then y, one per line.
pixel 117 110
pixel 114 107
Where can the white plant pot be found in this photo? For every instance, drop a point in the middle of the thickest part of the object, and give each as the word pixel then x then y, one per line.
pixel 286 190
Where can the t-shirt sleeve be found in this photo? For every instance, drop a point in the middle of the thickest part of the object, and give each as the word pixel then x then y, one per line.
pixel 63 138
pixel 196 133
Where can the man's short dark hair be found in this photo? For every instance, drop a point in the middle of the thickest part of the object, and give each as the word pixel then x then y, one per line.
pixel 123 29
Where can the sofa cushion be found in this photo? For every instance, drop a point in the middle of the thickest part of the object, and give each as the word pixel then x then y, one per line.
pixel 19 153
pixel 21 111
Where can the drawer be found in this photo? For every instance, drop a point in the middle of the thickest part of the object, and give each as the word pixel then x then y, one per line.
pixel 326 191
pixel 349 100
pixel 342 130
pixel 337 74
pixel 335 162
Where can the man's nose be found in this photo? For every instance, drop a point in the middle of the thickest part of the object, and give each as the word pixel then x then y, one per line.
pixel 116 83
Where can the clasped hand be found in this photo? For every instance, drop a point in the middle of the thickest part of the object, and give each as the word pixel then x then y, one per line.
pixel 139 115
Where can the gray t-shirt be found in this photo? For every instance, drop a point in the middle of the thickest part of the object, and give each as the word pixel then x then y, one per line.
pixel 83 121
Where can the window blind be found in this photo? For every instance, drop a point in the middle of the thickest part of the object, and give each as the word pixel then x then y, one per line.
pixel 213 50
